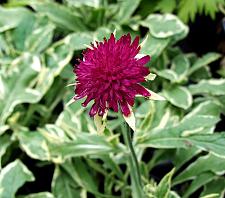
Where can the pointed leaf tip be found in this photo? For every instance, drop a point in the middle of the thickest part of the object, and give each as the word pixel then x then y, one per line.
pixel 88 46
pixel 71 84
pixel 155 96
pixel 130 120
pixel 114 32
pixel 72 100
pixel 144 41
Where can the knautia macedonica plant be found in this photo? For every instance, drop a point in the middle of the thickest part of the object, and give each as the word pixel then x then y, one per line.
pixel 110 74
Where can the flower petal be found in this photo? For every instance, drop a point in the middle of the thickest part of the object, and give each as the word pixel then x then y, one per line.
pixel 125 108
pixel 143 60
pixel 94 109
pixel 135 43
pixel 110 73
pixel 141 90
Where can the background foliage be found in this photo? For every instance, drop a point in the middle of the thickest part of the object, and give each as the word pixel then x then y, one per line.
pixel 50 150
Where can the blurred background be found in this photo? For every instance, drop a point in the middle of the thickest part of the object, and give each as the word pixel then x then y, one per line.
pixel 49 150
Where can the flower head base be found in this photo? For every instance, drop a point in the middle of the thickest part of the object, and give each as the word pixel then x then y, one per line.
pixel 110 74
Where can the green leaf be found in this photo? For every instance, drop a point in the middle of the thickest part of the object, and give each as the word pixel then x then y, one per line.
pixel 173 194
pixel 34 144
pixel 126 9
pixel 214 87
pixel 41 36
pixel 213 195
pixel 164 26
pixel 213 143
pixel 39 195
pixel 3 47
pixel 206 108
pixel 178 96
pixel 78 170
pixel 203 61
pixel 12 177
pixel 207 164
pixel 192 131
pixel 63 185
pixel 56 58
pixel 17 85
pixel 111 163
pixel 69 120
pixel 198 182
pixel 80 40
pixel 79 3
pixel 216 186
pixel 201 74
pixel 60 15
pixel 164 186
pixel 51 143
pixel 4 142
pixel 12 17
pixel 82 145
pixel 77 41
pixel 148 112
pixel 22 31
pixel 178 157
pixel 168 74
pixel 154 46
pixel 180 66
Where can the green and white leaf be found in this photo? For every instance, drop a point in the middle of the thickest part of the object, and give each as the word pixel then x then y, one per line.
pixel 4 142
pixel 216 186
pixel 213 87
pixel 203 61
pixel 180 65
pixel 79 3
pixel 8 19
pixel 41 36
pixel 63 184
pixel 198 182
pixel 168 74
pixel 154 46
pixel 16 87
pixel 12 177
pixel 163 189
pixel 178 96
pixel 126 9
pixel 205 164
pixel 39 195
pixel 61 15
pixel 34 144
pixel 164 26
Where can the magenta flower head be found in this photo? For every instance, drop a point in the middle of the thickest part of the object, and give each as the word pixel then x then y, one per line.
pixel 110 74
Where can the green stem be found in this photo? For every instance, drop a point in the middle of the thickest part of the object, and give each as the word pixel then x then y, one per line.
pixel 133 164
pixel 133 154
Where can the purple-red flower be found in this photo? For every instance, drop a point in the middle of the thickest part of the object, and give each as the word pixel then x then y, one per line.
pixel 110 74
